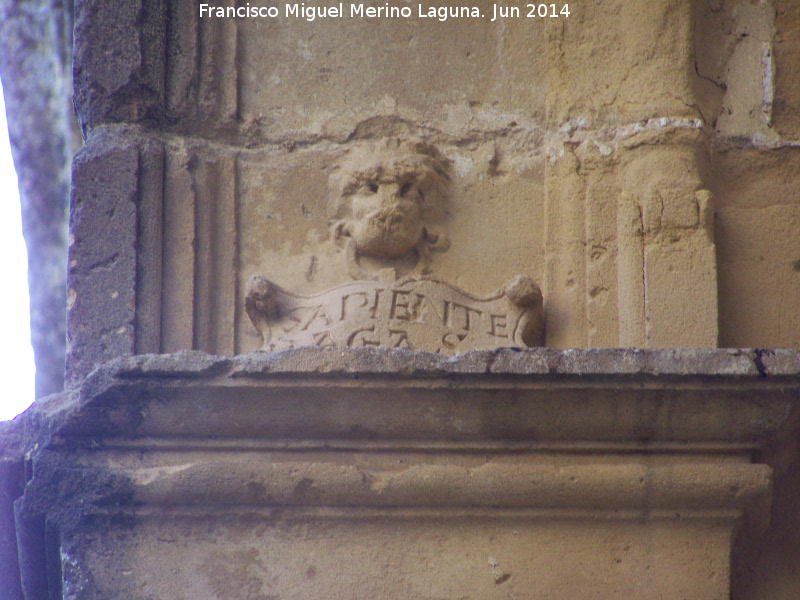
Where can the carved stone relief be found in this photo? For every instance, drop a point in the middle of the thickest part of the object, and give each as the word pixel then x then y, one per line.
pixel 385 200
pixel 416 313
pixel 388 201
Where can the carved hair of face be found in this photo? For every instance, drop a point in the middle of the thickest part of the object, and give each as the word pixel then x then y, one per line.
pixel 388 195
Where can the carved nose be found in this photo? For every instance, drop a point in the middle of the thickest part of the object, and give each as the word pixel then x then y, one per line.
pixel 389 193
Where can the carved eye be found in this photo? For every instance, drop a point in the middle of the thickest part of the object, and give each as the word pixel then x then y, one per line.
pixel 406 187
pixel 372 187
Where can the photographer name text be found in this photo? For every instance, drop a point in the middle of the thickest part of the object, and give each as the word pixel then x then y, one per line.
pixel 310 12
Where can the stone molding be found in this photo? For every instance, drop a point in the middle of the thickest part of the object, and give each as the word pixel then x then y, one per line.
pixel 640 441
pixel 507 395
pixel 496 485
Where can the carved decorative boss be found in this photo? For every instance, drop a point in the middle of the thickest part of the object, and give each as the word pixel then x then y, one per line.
pixel 387 200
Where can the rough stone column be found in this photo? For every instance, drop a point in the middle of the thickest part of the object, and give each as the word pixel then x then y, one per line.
pixel 119 86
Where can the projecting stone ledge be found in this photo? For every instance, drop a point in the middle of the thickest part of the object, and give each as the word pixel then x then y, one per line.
pixel 347 473
pixel 501 396
pixel 716 364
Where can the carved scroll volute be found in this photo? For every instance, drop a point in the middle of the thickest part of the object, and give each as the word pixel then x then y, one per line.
pixel 261 305
pixel 526 294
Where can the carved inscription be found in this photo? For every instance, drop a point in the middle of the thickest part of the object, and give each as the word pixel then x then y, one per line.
pixel 417 313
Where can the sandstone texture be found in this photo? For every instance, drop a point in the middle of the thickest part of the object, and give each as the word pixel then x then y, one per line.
pixel 286 474
pixel 626 158
pixel 624 179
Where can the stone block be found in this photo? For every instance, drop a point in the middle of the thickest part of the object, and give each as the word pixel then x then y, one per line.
pixel 596 72
pixel 786 103
pixel 101 282
pixel 417 555
pixel 119 68
pixel 468 74
pixel 285 212
pixel 786 56
pixel 757 248
pixel 687 263
pixel 12 483
pixel 759 274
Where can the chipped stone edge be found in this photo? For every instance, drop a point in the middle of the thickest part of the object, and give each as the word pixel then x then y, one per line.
pixel 393 363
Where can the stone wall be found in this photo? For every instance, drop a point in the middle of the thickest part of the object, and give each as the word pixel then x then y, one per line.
pixel 627 158
pixel 636 159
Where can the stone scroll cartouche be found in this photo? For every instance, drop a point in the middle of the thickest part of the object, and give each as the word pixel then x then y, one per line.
pixel 416 313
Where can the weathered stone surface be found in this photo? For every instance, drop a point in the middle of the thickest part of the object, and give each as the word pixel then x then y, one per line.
pixel 258 203
pixel 713 363
pixel 491 465
pixel 415 313
pixel 756 230
pixel 748 99
pixel 101 283
pixel 618 88
pixel 407 557
pixel 786 57
pixel 527 391
pixel 766 562
pixel 591 153
pixel 12 485
pixel 119 61
pixel 494 77
pixel 285 233
pixel 758 254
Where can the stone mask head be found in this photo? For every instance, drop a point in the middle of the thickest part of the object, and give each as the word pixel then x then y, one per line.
pixel 387 194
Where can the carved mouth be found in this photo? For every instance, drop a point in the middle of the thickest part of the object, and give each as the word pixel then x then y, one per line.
pixel 390 220
pixel 389 232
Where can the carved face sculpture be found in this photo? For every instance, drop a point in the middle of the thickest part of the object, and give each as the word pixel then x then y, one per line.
pixel 387 215
pixel 388 195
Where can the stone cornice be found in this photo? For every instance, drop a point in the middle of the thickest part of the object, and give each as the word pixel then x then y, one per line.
pixel 374 435
pixel 528 397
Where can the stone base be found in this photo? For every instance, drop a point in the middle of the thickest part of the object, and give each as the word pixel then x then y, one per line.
pixel 414 554
pixel 375 473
